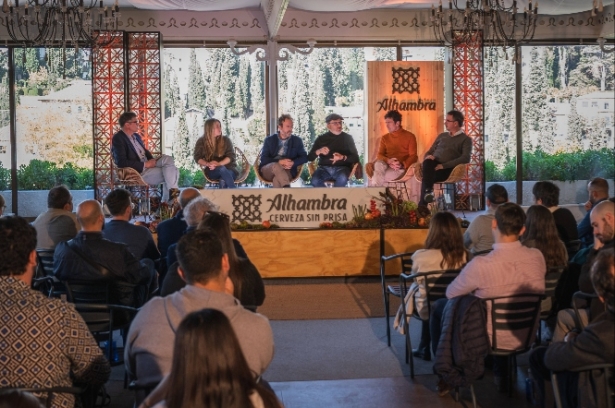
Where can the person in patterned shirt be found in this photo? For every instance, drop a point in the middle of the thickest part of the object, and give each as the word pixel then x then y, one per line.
pixel 44 342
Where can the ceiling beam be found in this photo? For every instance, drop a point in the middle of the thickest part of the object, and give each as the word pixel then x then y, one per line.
pixel 274 13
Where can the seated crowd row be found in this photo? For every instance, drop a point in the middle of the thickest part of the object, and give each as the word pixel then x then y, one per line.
pixel 203 267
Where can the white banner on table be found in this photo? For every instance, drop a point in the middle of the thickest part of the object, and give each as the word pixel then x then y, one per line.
pixel 291 207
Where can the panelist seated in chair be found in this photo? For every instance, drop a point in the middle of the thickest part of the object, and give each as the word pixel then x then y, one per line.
pixel 216 155
pixel 593 345
pixel 129 150
pixel 396 152
pixel 282 154
pixel 89 256
pixel 337 154
pixel 450 148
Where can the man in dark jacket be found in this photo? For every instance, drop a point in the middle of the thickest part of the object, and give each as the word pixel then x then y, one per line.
pixel 282 153
pixel 337 154
pixel 84 257
pixel 593 345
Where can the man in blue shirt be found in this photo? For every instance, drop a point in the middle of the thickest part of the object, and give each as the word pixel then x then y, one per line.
pixel 282 154
pixel 598 190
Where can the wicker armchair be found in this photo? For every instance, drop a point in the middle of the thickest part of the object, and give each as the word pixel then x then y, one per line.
pixel 243 165
pixel 269 183
pixel 456 175
pixel 400 184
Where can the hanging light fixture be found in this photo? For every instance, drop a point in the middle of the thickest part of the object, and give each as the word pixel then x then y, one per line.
pixel 58 23
pixel 500 25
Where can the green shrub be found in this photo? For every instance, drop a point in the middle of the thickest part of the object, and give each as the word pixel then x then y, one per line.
pixel 43 175
pixel 5 178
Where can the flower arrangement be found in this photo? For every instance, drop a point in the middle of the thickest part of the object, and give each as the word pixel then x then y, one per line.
pixel 245 226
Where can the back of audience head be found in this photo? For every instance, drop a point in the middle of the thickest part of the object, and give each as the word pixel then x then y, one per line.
pixel 546 193
pixel 510 219
pixel 445 234
pixel 19 399
pixel 602 274
pixel 541 233
pixel 2 204
pixel 598 189
pixel 220 224
pixel 196 209
pixel 90 215
pixel 60 198
pixel 117 201
pixel 222 377
pixel 496 194
pixel 17 245
pixel 602 220
pixel 201 257
pixel 187 195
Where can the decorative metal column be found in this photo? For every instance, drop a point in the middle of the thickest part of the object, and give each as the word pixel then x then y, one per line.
pixel 468 97
pixel 108 96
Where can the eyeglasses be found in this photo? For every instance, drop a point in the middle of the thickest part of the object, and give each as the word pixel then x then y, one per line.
pixel 336 122
pixel 134 121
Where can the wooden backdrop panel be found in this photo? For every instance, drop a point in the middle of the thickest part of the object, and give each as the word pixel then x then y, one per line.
pixel 425 124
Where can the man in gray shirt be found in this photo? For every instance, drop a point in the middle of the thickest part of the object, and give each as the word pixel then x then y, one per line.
pixel 478 237
pixel 449 149
pixel 58 223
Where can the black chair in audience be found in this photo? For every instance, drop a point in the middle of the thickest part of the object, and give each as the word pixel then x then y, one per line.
pixel 91 299
pixel 572 247
pixel 549 302
pixel 436 283
pixel 44 279
pixel 604 371
pixel 518 313
pixel 405 266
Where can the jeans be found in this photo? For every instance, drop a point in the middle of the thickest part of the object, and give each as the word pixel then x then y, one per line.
pixel 337 174
pixel 224 175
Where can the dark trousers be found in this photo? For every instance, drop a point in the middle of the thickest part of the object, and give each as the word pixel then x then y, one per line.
pixel 432 176
pixel 500 364
pixel 567 381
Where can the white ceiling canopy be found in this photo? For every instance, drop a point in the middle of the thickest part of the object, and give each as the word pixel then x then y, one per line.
pixel 550 7
pixel 193 5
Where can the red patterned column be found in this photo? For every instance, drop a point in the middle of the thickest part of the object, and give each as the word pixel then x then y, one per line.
pixel 108 104
pixel 144 86
pixel 468 98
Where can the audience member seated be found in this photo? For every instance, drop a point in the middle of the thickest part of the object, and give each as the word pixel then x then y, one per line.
pixel 602 219
pixel 58 223
pixel 443 250
pixel 204 266
pixel 215 154
pixel 171 230
pixel 193 214
pixel 598 191
pixel 507 270
pixel 478 236
pixel 547 194
pixel 89 256
pixel 248 284
pixel 137 238
pixel 541 233
pixel 207 336
pixel 282 154
pixel 595 344
pixel 45 342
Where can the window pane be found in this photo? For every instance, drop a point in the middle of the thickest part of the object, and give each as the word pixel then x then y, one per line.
pixel 327 80
pixel 5 141
pixel 53 124
pixel 500 129
pixel 202 83
pixel 568 117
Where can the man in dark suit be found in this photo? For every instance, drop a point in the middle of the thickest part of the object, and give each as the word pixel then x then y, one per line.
pixel 129 151
pixel 282 153
pixel 171 230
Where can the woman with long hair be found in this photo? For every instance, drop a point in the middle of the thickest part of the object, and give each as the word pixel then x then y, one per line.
pixel 443 250
pixel 215 154
pixel 541 233
pixel 248 283
pixel 209 368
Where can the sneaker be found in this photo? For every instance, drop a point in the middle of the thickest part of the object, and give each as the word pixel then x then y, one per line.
pixel 429 197
pixel 443 388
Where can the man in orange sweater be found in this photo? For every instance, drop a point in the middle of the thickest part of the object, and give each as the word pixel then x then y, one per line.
pixel 397 151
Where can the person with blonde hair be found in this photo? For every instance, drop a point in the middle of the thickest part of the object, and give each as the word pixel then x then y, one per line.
pixel 216 155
